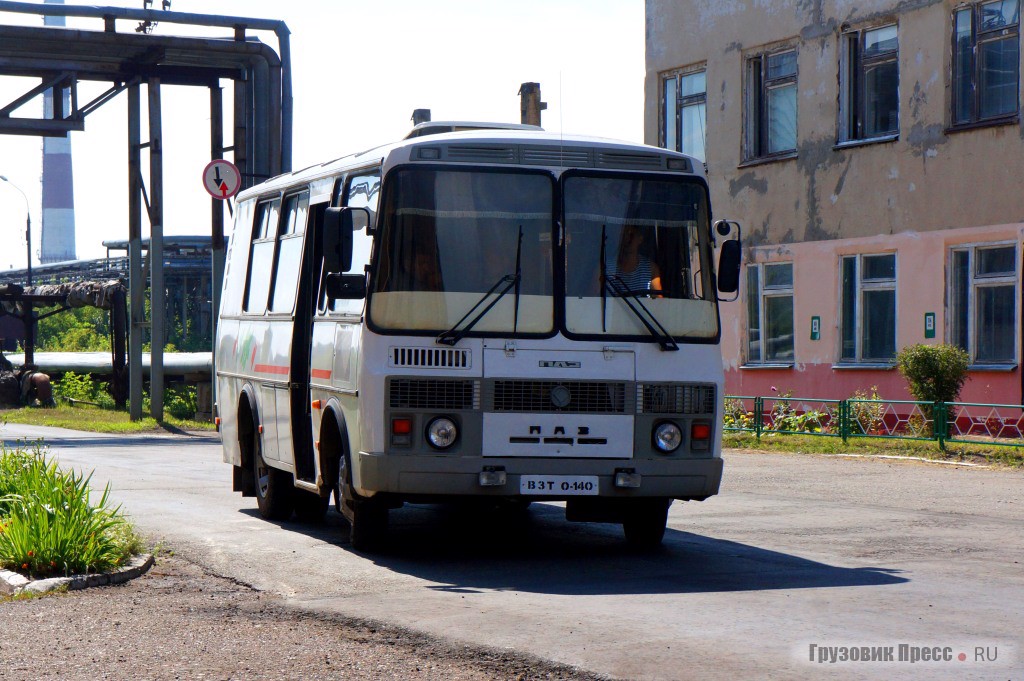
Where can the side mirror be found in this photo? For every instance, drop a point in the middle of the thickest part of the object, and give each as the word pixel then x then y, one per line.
pixel 346 286
pixel 339 225
pixel 729 258
pixel 729 266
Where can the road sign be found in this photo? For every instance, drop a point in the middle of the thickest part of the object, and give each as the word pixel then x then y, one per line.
pixel 222 179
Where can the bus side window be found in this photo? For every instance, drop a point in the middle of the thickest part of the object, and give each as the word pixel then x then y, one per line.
pixel 360 191
pixel 288 260
pixel 261 257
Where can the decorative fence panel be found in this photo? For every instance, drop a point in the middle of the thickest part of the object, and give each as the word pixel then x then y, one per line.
pixel 960 422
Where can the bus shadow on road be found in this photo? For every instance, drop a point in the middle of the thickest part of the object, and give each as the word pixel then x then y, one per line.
pixel 539 552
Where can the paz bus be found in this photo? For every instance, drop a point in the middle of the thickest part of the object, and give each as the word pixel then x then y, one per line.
pixel 477 312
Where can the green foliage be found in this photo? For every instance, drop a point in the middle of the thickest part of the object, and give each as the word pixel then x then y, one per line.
pixel 49 524
pixel 736 416
pixel 78 387
pixel 867 417
pixel 785 417
pixel 179 401
pixel 82 329
pixel 935 373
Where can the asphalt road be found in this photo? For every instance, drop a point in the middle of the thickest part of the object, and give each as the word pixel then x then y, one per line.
pixel 840 553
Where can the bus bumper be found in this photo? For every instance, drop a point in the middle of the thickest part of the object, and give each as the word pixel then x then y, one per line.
pixel 441 476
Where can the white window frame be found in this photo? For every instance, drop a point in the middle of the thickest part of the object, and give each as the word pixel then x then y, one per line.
pixel 861 287
pixel 852 92
pixel 765 292
pixel 975 282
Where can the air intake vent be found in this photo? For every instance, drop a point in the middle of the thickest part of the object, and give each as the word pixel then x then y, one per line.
pixel 556 156
pixel 613 159
pixel 676 399
pixel 574 397
pixel 488 154
pixel 430 358
pixel 412 393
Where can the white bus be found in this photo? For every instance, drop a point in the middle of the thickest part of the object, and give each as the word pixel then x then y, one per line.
pixel 503 314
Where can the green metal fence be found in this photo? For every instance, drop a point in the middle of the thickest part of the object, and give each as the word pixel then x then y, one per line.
pixel 960 422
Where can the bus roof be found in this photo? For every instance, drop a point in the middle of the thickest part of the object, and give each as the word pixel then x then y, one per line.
pixel 502 147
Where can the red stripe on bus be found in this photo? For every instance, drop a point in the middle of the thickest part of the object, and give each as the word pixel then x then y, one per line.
pixel 271 369
pixel 320 373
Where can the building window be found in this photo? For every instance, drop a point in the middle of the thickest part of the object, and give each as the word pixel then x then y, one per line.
pixel 983 317
pixel 771 105
pixel 986 47
pixel 770 313
pixel 868 307
pixel 684 112
pixel 870 80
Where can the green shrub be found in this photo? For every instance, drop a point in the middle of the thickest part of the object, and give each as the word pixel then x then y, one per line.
pixel 74 386
pixel 49 524
pixel 934 373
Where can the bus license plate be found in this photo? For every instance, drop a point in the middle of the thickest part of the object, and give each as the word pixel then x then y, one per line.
pixel 558 485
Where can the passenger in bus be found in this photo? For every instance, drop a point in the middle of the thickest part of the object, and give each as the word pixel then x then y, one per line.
pixel 633 266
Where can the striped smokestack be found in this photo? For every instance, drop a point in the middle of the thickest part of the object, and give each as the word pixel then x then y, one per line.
pixel 58 232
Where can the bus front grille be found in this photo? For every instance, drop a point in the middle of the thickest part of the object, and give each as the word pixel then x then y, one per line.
pixel 414 393
pixel 576 397
pixel 665 398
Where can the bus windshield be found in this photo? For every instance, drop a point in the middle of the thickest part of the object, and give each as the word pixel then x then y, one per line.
pixel 451 239
pixel 637 240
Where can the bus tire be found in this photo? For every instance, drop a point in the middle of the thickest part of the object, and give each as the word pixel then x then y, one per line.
pixel 644 524
pixel 367 519
pixel 274 488
pixel 309 507
pixel 368 526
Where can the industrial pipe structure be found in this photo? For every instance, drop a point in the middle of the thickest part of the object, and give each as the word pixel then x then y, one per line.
pixel 261 144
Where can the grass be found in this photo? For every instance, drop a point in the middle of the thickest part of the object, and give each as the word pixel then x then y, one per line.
pixel 96 419
pixel 51 522
pixel 928 449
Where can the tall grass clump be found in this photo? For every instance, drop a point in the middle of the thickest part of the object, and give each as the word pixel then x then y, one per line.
pixel 49 522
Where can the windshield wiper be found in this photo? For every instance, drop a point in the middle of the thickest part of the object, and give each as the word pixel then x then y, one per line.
pixel 455 334
pixel 619 289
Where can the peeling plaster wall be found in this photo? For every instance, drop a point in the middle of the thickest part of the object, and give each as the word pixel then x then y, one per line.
pixel 925 180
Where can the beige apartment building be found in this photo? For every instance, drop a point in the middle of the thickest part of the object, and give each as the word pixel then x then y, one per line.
pixel 873 152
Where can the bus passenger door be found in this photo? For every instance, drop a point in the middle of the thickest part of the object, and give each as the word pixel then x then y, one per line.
pixel 302 338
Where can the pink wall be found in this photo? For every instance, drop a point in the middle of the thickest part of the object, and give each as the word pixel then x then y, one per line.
pixel 921 287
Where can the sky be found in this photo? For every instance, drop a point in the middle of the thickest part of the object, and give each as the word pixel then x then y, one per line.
pixel 359 71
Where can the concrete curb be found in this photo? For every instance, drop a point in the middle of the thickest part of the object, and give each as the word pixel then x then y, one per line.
pixel 13 583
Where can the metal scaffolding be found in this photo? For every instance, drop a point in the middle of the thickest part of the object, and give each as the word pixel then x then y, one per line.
pixel 61 58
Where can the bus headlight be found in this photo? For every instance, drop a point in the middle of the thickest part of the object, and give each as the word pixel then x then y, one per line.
pixel 667 437
pixel 442 433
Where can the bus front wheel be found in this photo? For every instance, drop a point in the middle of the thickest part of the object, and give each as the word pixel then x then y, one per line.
pixel 274 489
pixel 644 524
pixel 367 519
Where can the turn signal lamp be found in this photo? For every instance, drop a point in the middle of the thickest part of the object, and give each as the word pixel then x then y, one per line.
pixel 700 436
pixel 401 432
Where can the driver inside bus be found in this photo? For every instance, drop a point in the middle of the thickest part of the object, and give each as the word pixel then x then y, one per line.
pixel 633 267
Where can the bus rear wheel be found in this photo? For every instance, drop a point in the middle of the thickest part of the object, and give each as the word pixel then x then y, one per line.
pixel 644 524
pixel 274 489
